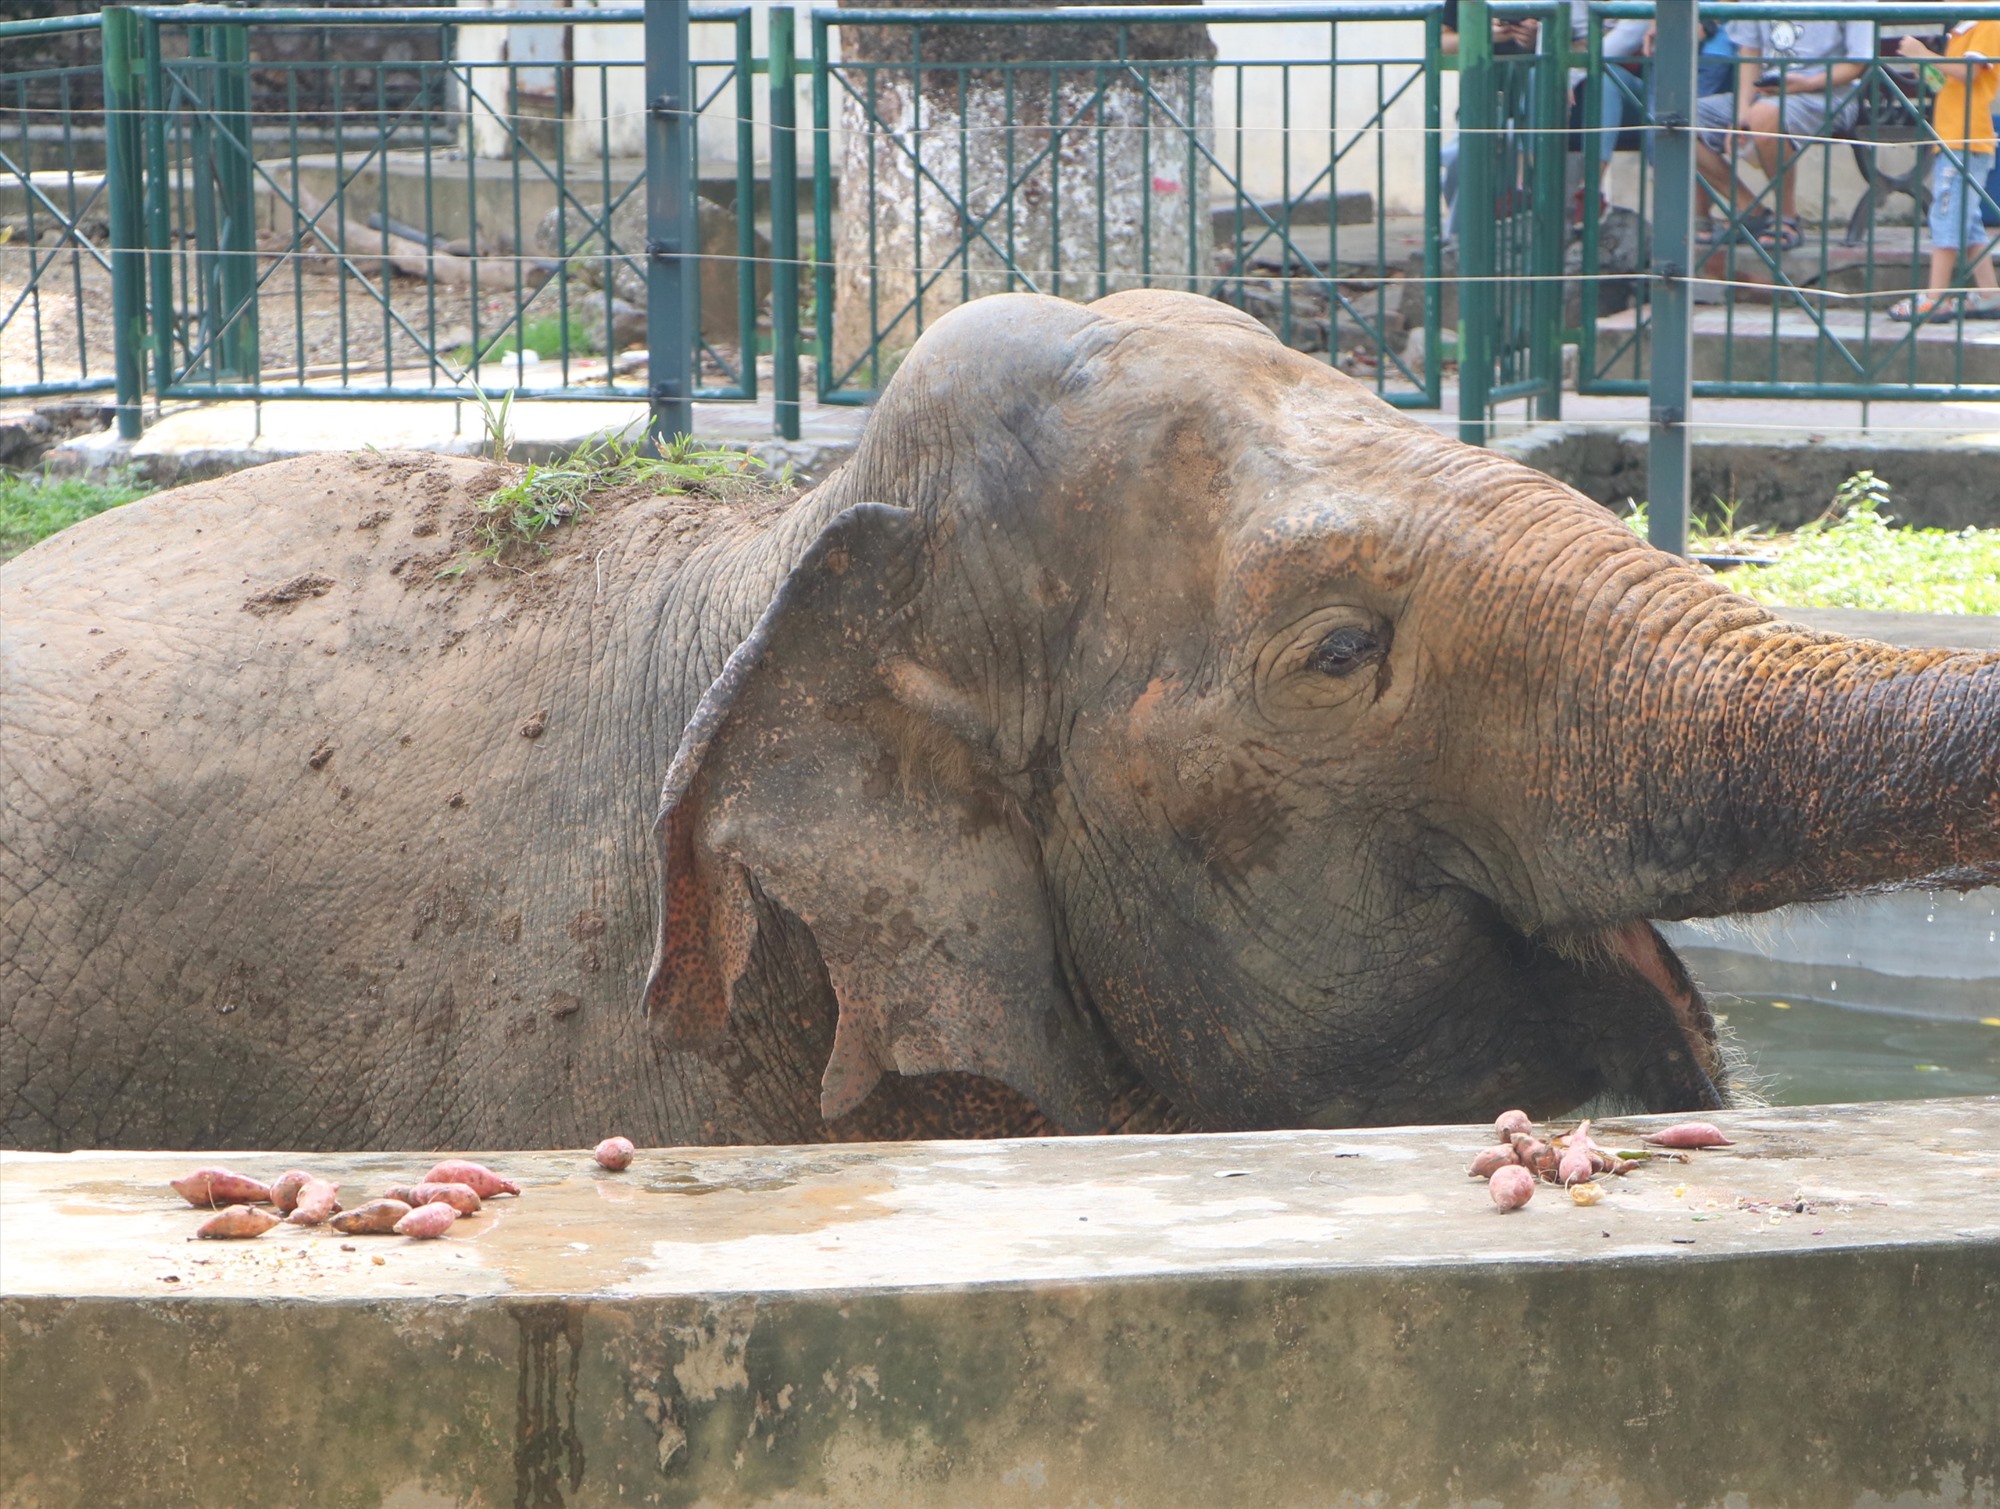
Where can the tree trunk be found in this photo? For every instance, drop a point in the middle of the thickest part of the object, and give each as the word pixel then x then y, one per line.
pixel 1071 166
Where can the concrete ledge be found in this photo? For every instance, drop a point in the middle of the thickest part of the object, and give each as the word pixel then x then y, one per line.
pixel 212 440
pixel 1809 1318
pixel 1781 478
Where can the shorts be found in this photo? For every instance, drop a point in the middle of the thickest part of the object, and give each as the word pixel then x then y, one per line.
pixel 1955 218
pixel 1804 115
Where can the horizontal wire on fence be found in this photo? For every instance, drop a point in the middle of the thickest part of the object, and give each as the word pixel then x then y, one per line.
pixel 589 124
pixel 1196 281
pixel 1193 282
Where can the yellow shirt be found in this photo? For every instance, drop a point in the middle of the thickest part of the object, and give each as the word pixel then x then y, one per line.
pixel 1962 120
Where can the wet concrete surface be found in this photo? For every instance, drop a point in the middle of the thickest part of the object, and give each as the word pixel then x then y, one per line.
pixel 1293 1317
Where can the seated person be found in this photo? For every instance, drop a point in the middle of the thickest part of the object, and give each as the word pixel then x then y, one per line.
pixel 1778 94
pixel 1623 39
pixel 1509 38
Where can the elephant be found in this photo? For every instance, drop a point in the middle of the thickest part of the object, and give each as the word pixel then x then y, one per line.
pixel 1147 729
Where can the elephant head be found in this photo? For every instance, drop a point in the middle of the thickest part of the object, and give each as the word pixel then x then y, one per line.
pixel 1162 715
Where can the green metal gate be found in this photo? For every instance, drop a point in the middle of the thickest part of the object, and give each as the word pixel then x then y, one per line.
pixel 1513 115
pixel 454 224
pixel 55 246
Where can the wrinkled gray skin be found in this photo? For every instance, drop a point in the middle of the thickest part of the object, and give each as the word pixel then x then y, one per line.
pixel 1148 729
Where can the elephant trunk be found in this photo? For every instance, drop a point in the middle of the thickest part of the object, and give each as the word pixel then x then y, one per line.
pixel 1750 764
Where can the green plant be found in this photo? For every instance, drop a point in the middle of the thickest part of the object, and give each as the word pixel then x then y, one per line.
pixel 496 418
pixel 1854 556
pixel 548 336
pixel 546 495
pixel 34 506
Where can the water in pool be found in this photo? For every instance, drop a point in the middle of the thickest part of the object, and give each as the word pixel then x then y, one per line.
pixel 1810 1053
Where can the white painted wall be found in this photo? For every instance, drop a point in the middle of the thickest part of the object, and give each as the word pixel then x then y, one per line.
pixel 1313 98
pixel 614 113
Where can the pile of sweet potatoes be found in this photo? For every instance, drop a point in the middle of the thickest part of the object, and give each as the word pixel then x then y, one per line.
pixel 426 1209
pixel 1572 1160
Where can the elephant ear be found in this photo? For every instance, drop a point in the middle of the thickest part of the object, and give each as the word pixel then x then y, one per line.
pixel 924 895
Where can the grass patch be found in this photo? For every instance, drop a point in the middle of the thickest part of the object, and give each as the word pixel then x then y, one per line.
pixel 549 337
pixel 1853 556
pixel 34 506
pixel 548 495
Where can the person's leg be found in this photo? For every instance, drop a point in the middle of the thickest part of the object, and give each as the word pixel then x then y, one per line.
pixel 1947 231
pixel 1799 121
pixel 1610 120
pixel 1448 186
pixel 1979 170
pixel 1714 115
pixel 1767 141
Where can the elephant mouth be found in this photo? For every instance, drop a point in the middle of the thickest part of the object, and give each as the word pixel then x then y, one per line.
pixel 1654 1034
pixel 1640 948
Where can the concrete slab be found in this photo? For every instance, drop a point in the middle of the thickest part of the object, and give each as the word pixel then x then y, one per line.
pixel 1781 464
pixel 1757 343
pixel 207 440
pixel 1329 1318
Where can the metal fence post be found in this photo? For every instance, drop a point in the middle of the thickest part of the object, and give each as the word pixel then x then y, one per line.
pixel 1545 263
pixel 671 234
pixel 784 224
pixel 746 210
pixel 236 287
pixel 1433 215
pixel 1672 390
pixel 157 209
pixel 122 158
pixel 1477 121
pixel 822 71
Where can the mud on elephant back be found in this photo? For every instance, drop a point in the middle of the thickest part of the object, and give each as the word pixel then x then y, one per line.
pixel 1147 729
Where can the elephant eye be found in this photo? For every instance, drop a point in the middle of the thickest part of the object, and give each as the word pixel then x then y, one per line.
pixel 1347 649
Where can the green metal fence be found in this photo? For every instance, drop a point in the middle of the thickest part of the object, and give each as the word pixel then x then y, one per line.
pixel 55 247
pixel 1512 119
pixel 1807 312
pixel 1111 150
pixel 468 241
pixel 279 221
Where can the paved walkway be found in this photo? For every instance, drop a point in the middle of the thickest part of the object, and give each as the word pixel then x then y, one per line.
pixel 211 438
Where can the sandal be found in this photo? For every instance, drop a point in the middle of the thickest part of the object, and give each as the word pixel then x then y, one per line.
pixel 1786 235
pixel 1927 307
pixel 1985 307
pixel 1751 225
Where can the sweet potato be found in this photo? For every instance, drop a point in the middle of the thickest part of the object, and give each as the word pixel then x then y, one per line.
pixel 212 1188
pixel 1511 1187
pixel 1575 1167
pixel 318 1199
pixel 1510 1122
pixel 236 1222
pixel 460 1197
pixel 285 1189
pixel 1690 1134
pixel 1490 1159
pixel 1535 1155
pixel 372 1219
pixel 485 1183
pixel 614 1153
pixel 426 1221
